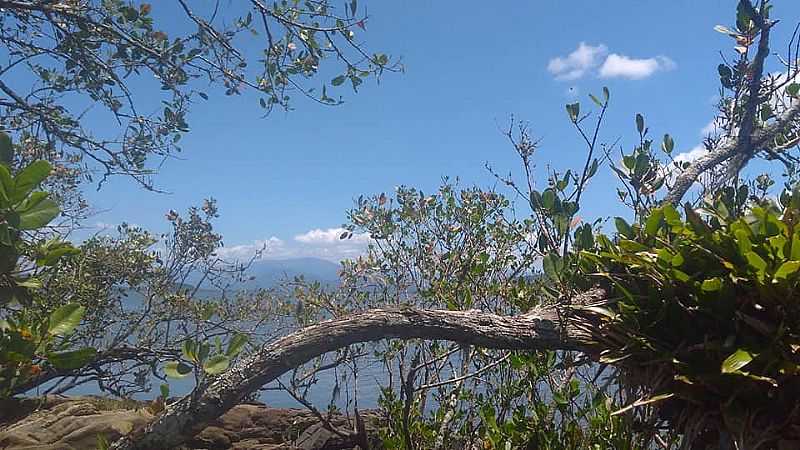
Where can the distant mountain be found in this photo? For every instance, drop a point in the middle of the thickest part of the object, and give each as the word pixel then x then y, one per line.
pixel 269 272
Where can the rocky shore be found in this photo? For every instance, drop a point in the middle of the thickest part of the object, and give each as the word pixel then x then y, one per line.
pixel 79 423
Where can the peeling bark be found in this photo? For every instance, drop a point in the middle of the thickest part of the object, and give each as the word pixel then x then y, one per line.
pixel 539 329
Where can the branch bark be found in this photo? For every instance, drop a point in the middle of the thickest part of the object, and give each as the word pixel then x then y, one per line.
pixel 728 148
pixel 738 150
pixel 540 329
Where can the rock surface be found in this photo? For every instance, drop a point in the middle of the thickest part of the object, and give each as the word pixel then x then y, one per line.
pixel 62 423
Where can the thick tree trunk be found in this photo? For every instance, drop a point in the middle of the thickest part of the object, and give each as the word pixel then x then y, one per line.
pixel 545 329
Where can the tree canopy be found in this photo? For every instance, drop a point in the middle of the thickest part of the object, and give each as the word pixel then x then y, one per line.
pixel 495 327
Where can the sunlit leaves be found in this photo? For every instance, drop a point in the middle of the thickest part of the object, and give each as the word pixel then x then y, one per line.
pixel 29 178
pixel 65 319
pixel 216 364
pixel 73 359
pixel 236 345
pixel 38 215
pixel 177 369
pixel 736 361
pixel 714 290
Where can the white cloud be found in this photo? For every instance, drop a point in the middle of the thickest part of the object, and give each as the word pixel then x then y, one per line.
pixel 242 252
pixel 712 128
pixel 329 236
pixel 692 154
pixel 587 59
pixel 327 244
pixel 621 66
pixel 316 243
pixel 578 63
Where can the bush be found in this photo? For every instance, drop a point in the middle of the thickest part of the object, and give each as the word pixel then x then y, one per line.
pixel 706 315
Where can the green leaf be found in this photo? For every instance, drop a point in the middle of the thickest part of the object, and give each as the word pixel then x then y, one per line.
pixel 34 199
pixel 65 319
pixel 736 361
pixel 72 359
pixel 39 215
pixel 786 269
pixel 574 111
pixel 236 345
pixel 549 267
pixel 593 168
pixel 796 247
pixel 6 149
pixel 548 199
pixel 596 100
pixel 712 284
pixel 632 246
pixel 7 188
pixel 681 276
pixel 745 13
pixel 338 80
pixel 677 260
pixel 654 222
pixel 793 89
pixel 164 391
pixel 725 30
pixel 756 262
pixel 216 364
pixel 640 123
pixel 623 228
pixel 668 145
pixel 189 350
pixel 606 94
pixel 30 283
pixel 203 350
pixel 671 215
pixel 29 178
pixel 53 256
pixel 177 369
pixel 559 398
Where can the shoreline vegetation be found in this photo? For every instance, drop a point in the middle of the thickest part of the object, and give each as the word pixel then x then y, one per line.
pixel 498 318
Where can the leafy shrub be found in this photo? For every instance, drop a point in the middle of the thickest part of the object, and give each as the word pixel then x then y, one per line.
pixel 707 316
pixel 33 336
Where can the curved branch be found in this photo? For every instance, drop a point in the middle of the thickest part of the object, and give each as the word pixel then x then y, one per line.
pixel 727 149
pixel 541 329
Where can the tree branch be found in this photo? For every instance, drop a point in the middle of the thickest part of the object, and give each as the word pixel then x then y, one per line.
pixel 728 148
pixel 739 149
pixel 541 329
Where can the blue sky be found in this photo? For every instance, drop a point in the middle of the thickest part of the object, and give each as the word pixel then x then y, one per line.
pixel 469 66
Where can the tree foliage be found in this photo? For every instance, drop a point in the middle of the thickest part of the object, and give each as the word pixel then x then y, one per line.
pixel 65 57
pixel 675 330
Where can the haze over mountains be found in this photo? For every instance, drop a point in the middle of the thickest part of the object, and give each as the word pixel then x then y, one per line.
pixel 269 272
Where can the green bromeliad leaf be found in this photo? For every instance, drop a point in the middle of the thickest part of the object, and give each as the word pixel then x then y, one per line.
pixel 736 361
